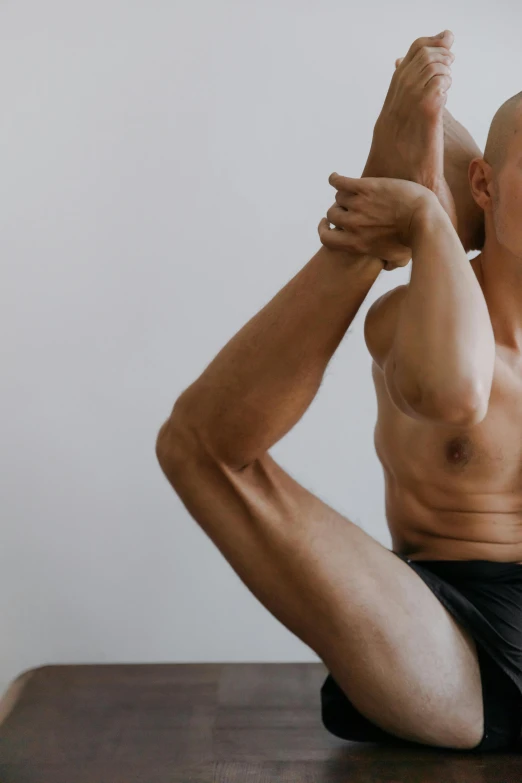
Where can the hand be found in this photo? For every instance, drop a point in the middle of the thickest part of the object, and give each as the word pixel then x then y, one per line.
pixel 372 216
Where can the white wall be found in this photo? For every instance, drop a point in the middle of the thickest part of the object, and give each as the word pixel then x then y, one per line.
pixel 164 168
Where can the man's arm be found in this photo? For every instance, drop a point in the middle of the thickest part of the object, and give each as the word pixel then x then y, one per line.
pixel 443 353
pixel 433 338
pixel 380 326
pixel 263 380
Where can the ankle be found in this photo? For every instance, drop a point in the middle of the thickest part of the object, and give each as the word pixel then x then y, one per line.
pixel 376 164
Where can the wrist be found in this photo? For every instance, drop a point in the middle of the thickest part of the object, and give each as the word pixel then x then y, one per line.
pixel 427 212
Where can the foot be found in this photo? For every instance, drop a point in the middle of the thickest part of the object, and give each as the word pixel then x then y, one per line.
pixel 460 148
pixel 408 139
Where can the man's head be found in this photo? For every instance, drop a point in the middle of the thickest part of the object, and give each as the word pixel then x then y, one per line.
pixel 496 179
pixel 504 127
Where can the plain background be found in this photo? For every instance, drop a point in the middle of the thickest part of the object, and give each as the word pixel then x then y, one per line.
pixel 164 169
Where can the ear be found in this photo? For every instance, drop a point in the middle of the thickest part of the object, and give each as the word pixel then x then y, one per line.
pixel 480 176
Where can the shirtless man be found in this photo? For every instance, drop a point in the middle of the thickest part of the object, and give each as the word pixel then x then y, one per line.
pixel 451 462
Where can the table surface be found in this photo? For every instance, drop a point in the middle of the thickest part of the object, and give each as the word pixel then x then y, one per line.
pixel 203 723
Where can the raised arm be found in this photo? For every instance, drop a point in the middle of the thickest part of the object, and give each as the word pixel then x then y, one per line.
pixel 433 338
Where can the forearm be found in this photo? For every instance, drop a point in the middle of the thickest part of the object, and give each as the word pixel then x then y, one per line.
pixel 444 347
pixel 263 380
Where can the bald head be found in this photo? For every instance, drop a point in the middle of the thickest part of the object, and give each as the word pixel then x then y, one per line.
pixel 505 124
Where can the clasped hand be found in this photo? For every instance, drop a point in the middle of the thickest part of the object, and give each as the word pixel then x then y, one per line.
pixel 374 216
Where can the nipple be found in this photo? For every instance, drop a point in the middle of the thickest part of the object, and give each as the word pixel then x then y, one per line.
pixel 459 450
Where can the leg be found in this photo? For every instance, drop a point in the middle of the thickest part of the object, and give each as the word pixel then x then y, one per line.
pixel 397 653
pixel 460 148
pixel 416 138
pixel 502 711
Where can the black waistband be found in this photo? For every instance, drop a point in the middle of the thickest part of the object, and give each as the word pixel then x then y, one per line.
pixel 470 569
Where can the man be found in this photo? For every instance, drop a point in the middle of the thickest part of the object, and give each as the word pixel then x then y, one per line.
pixel 411 657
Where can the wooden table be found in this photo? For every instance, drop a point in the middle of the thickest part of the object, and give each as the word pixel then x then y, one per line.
pixel 203 723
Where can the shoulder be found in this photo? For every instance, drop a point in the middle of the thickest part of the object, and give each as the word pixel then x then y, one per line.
pixel 380 322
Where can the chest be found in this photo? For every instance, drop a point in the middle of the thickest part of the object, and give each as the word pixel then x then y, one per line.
pixel 490 452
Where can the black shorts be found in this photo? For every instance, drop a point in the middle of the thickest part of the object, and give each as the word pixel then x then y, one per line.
pixel 486 598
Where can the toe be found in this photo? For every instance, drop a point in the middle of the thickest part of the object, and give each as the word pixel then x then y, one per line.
pixel 444 39
pixel 447 39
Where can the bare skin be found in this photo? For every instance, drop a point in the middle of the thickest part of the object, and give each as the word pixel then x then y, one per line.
pixel 412 120
pixel 398 654
pixel 460 148
pixel 437 156
pixel 451 487
pixel 470 507
pixel 453 491
pixel 459 151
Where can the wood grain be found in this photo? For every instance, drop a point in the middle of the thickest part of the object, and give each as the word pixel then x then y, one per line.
pixel 202 723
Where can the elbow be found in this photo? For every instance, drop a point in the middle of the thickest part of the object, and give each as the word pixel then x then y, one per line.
pixel 170 447
pixel 175 441
pixel 471 406
pixel 463 410
pixel 466 413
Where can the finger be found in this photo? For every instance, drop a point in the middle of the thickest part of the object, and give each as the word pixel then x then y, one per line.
pixel 334 238
pixel 344 199
pixel 398 61
pixel 339 217
pixel 445 39
pixel 350 184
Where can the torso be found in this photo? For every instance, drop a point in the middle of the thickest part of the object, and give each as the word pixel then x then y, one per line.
pixel 455 493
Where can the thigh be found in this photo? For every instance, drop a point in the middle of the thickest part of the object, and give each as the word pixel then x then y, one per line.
pixel 397 653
